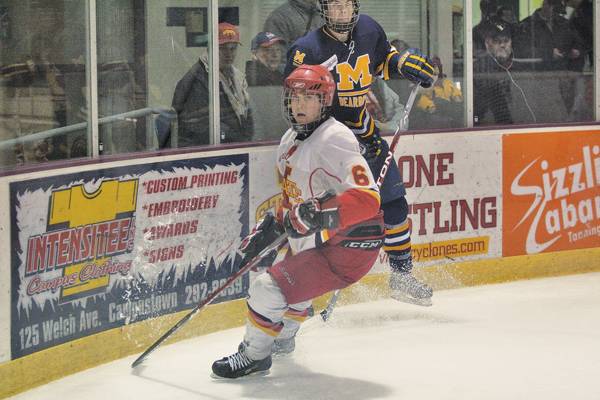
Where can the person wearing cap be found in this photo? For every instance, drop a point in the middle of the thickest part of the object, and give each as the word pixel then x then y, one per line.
pixel 191 100
pixel 494 81
pixel 488 14
pixel 265 68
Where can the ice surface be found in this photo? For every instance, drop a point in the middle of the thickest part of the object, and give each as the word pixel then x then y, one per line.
pixel 537 339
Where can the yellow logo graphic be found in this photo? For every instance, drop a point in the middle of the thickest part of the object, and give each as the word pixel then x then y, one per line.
pixel 272 204
pixel 74 207
pixel 350 75
pixel 229 33
pixel 299 58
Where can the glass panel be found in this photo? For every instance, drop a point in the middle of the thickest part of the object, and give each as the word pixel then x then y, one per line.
pixel 413 23
pixel 437 27
pixel 153 89
pixel 43 104
pixel 237 116
pixel 533 61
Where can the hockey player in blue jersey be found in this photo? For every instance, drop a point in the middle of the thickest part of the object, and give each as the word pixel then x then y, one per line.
pixel 356 50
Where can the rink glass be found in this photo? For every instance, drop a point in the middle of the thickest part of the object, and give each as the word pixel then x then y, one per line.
pixel 96 78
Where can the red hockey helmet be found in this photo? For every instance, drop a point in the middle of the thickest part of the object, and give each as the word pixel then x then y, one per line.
pixel 325 8
pixel 310 79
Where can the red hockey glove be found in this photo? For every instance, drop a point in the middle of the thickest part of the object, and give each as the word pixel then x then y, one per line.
pixel 263 234
pixel 416 66
pixel 313 215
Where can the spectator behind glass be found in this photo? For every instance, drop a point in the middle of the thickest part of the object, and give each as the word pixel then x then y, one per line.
pixel 488 13
pixel 294 19
pixel 547 35
pixel 38 80
pixel 494 81
pixel 581 15
pixel 442 102
pixel 191 100
pixel 506 14
pixel 265 69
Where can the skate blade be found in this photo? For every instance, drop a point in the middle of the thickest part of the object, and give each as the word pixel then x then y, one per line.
pixel 251 375
pixel 282 355
pixel 411 300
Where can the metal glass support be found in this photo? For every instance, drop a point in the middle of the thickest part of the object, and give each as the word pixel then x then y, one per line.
pixel 597 60
pixel 213 75
pixel 468 62
pixel 127 116
pixel 92 79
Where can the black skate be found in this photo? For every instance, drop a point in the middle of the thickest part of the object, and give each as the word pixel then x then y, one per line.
pixel 239 364
pixel 408 289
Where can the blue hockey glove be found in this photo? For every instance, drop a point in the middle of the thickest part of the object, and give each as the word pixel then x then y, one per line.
pixel 416 66
pixel 371 147
pixel 313 215
pixel 263 234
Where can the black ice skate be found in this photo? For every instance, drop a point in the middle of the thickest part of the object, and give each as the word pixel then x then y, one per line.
pixel 408 289
pixel 239 364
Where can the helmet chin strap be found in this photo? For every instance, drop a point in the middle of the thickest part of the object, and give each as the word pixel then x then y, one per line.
pixel 303 131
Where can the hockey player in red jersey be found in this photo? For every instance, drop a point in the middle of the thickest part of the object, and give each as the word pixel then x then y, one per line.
pixel 355 48
pixel 330 212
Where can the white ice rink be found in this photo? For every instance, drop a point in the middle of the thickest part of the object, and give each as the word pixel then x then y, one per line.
pixel 531 340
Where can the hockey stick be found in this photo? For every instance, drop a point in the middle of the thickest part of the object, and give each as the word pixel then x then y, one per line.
pixel 328 310
pixel 210 298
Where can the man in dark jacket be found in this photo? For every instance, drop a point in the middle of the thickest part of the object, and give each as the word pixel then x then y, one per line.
pixel 582 20
pixel 294 19
pixel 265 69
pixel 191 100
pixel 494 82
pixel 546 34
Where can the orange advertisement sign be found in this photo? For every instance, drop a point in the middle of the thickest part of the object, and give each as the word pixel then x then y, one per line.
pixel 551 192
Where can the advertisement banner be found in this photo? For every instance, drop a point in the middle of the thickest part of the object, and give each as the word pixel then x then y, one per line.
pixel 452 191
pixel 551 186
pixel 96 250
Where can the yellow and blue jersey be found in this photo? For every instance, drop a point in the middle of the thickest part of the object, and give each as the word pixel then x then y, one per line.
pixel 366 54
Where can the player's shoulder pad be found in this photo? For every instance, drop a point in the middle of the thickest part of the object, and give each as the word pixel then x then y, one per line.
pixel 338 135
pixel 302 50
pixel 367 24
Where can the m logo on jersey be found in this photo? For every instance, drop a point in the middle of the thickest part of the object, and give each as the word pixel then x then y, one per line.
pixel 350 75
pixel 104 214
pixel 299 58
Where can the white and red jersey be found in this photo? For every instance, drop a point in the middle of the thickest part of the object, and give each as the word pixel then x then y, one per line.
pixel 329 159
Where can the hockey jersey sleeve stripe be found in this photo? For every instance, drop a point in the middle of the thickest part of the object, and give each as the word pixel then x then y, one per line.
pixel 325 236
pixel 392 58
pixel 357 205
pixel 360 122
pixel 371 129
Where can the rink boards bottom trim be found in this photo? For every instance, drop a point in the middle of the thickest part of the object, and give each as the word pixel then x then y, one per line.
pixel 54 363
